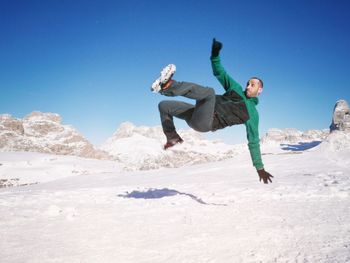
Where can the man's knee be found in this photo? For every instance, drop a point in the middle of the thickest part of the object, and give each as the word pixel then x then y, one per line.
pixel 162 106
pixel 210 91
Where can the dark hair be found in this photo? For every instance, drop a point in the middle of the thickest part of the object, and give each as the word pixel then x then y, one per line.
pixel 261 82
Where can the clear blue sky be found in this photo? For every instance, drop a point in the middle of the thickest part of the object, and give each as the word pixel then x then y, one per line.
pixel 93 61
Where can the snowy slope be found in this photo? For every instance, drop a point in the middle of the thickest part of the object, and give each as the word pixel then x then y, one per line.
pixel 212 212
pixel 22 168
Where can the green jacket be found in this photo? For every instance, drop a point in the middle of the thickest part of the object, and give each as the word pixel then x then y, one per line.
pixel 252 124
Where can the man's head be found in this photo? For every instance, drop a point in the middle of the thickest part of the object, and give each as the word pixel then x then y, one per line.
pixel 254 87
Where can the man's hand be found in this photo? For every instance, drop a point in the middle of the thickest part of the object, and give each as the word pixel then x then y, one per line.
pixel 265 176
pixel 215 48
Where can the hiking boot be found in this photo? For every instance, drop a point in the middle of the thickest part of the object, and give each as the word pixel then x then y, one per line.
pixel 172 139
pixel 172 142
pixel 165 75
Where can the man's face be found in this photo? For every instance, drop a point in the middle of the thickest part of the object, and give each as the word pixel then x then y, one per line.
pixel 252 89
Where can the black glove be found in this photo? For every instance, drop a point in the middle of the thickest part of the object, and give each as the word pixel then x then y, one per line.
pixel 215 48
pixel 265 176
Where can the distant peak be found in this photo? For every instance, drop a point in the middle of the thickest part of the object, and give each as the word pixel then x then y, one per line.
pixel 37 115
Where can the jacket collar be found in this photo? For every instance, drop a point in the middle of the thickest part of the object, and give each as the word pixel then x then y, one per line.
pixel 253 100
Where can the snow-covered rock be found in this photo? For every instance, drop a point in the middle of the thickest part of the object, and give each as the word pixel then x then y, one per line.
pixel 336 141
pixel 290 135
pixel 142 148
pixel 7 123
pixel 44 133
pixel 341 117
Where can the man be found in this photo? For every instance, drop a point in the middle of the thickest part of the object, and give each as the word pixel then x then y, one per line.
pixel 212 112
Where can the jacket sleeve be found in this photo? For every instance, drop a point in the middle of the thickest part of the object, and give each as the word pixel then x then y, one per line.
pixel 226 81
pixel 253 141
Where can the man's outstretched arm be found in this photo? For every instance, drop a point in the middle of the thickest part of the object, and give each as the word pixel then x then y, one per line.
pixel 254 149
pixel 220 73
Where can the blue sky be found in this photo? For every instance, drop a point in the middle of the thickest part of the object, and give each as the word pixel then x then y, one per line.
pixel 93 61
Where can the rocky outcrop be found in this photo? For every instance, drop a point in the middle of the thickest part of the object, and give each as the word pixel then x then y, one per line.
pixel 341 117
pixel 7 123
pixel 43 132
pixel 339 138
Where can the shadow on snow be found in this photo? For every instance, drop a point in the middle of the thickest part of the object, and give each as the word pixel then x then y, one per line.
pixel 160 193
pixel 301 146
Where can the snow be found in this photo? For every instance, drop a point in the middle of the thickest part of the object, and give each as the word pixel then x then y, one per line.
pixel 141 148
pixel 31 168
pixel 336 141
pixel 88 210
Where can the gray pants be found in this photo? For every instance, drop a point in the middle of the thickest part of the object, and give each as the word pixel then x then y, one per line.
pixel 199 117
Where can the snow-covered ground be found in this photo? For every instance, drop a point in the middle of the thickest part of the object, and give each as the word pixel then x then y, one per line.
pixel 85 210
